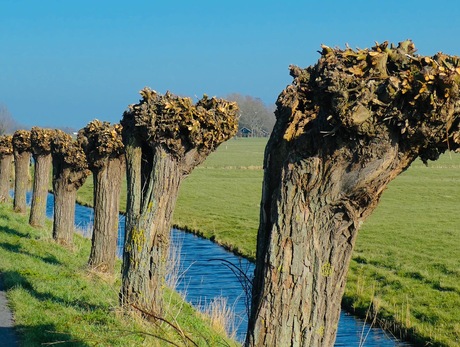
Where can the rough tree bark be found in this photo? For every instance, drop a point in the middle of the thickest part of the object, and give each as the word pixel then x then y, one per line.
pixel 6 159
pixel 104 150
pixel 165 137
pixel 40 140
pixel 21 151
pixel 345 128
pixel 64 209
pixel 70 171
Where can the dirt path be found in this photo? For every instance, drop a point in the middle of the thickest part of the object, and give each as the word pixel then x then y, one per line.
pixel 8 336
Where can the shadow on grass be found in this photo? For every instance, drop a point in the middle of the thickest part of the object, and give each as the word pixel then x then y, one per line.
pixel 10 247
pixel 46 335
pixel 41 334
pixel 13 279
pixel 33 335
pixel 17 248
pixel 8 230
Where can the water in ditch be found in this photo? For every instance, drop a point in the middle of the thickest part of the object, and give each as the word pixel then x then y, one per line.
pixel 207 271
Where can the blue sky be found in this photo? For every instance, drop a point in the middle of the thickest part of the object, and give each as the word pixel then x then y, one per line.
pixel 64 63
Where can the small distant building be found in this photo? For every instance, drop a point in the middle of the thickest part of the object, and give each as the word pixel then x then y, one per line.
pixel 245 132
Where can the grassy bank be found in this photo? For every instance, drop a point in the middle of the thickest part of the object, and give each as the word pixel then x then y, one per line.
pixel 56 300
pixel 406 260
pixel 407 257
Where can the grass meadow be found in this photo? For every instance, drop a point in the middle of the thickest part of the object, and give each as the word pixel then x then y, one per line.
pixel 406 264
pixel 407 257
pixel 57 300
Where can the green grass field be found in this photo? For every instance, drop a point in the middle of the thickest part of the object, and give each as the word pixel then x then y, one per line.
pixel 408 253
pixel 56 300
pixel 407 256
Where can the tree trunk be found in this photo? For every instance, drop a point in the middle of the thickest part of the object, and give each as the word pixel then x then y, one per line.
pixel 21 167
pixel 344 130
pixel 107 185
pixel 152 196
pixel 40 190
pixel 64 209
pixel 5 175
pixel 311 210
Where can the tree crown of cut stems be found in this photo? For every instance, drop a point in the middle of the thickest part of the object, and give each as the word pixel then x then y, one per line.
pixel 68 154
pixel 21 141
pixel 179 125
pixel 40 140
pixel 101 141
pixel 360 95
pixel 6 145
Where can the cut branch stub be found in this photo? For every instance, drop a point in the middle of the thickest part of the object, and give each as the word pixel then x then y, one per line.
pixel 361 94
pixel 178 125
pixel 21 141
pixel 6 145
pixel 67 153
pixel 40 140
pixel 101 141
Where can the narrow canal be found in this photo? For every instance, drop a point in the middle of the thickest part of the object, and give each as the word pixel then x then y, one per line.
pixel 208 272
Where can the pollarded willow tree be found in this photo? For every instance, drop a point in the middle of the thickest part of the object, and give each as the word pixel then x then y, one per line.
pixel 6 159
pixel 40 143
pixel 21 152
pixel 165 137
pixel 104 150
pixel 70 170
pixel 345 128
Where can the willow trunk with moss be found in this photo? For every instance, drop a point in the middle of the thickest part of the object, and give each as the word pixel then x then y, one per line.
pixel 21 152
pixel 70 171
pixel 345 128
pixel 165 137
pixel 104 150
pixel 6 159
pixel 40 140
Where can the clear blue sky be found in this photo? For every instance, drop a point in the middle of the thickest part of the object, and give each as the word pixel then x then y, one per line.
pixel 64 63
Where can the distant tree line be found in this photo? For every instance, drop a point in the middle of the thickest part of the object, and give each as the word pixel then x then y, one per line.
pixel 7 123
pixel 256 119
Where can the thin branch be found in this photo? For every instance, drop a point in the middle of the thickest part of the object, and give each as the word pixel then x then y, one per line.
pixel 179 330
pixel 245 282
